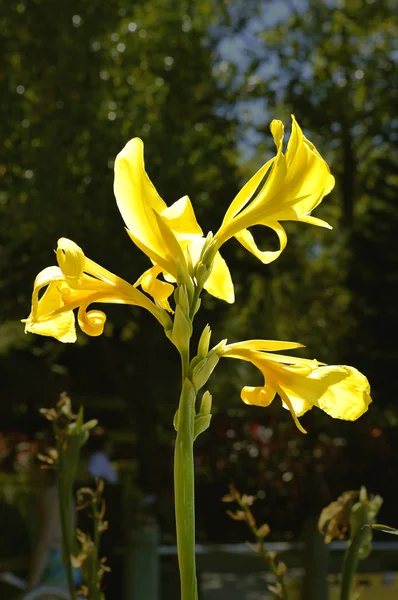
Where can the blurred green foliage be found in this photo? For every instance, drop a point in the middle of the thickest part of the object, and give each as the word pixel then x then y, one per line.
pixel 332 64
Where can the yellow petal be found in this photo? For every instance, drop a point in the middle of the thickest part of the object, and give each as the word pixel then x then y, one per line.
pixel 294 361
pixel 134 191
pixel 258 396
pixel 294 407
pixel 181 219
pixel 62 327
pixel 290 401
pixel 154 256
pixel 219 283
pixel 297 182
pixel 315 221
pixel 265 361
pixel 341 391
pixel 307 172
pixel 246 193
pixel 266 256
pixel 139 204
pixel 69 287
pixel 70 258
pixel 174 250
pixel 268 345
pixel 159 290
pixel 278 132
pixel 92 322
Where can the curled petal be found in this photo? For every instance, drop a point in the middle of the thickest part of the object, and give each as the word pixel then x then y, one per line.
pixel 341 391
pixel 266 256
pixel 287 188
pixel 258 396
pixel 69 287
pixel 91 322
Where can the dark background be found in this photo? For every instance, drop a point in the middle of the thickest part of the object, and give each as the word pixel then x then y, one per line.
pixel 199 83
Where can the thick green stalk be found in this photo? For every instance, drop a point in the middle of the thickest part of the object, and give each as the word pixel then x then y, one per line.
pixel 65 503
pixel 184 488
pixel 350 563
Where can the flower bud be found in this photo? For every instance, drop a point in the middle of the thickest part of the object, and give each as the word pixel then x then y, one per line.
pixel 204 342
pixel 202 371
pixel 183 278
pixel 182 299
pixel 182 330
pixel 202 274
pixel 206 402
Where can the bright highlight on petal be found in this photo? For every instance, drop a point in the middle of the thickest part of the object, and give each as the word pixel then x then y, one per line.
pixel 76 283
pixel 286 188
pixel 166 234
pixel 340 391
pixel 159 290
pixel 153 226
pixel 219 283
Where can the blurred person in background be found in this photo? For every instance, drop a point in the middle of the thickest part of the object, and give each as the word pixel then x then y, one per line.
pixel 99 465
pixel 44 566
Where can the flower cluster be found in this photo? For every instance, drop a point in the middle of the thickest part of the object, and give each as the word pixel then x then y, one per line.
pixel 287 187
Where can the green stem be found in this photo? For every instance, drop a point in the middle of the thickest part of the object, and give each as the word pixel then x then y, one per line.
pixel 184 490
pixel 64 498
pixel 350 563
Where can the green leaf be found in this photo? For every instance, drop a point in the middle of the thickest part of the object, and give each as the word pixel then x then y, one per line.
pixel 384 528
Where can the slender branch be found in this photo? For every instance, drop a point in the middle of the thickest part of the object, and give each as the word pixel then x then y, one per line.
pixel 269 557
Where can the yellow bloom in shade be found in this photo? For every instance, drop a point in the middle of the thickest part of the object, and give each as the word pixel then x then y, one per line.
pixel 169 235
pixel 287 188
pixel 340 391
pixel 77 282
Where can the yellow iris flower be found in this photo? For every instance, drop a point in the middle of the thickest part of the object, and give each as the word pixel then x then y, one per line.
pixel 77 282
pixel 340 391
pixel 295 184
pixel 287 188
pixel 169 235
